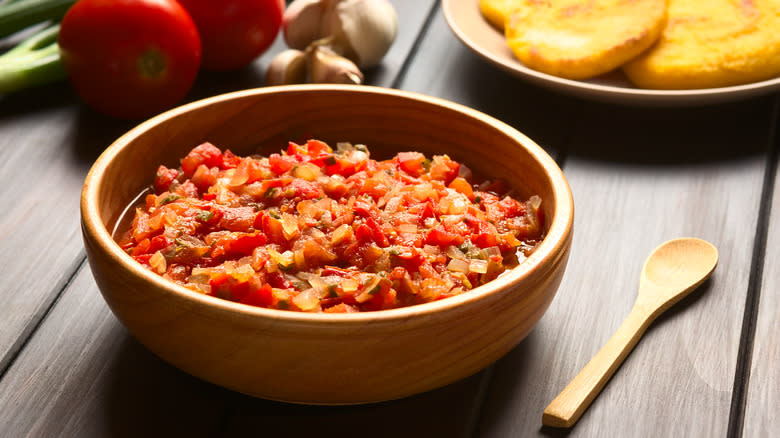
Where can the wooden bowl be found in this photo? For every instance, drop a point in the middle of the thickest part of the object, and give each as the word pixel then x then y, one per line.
pixel 326 358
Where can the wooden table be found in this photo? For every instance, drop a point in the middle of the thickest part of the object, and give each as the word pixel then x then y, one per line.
pixel 710 367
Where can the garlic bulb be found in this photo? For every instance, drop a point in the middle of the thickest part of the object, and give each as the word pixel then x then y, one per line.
pixel 302 21
pixel 326 66
pixel 361 30
pixel 288 67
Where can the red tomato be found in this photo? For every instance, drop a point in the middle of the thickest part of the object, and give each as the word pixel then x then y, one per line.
pixel 234 32
pixel 130 58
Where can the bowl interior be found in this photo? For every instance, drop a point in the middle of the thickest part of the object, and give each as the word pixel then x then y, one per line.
pixel 264 120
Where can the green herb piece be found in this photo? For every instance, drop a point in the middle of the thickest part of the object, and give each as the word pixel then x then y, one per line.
pixel 205 215
pixel 170 198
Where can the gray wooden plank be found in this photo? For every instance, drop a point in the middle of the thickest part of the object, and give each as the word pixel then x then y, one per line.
pixel 44 156
pixel 444 67
pixel 641 177
pixel 763 395
pixel 81 374
pixel 444 412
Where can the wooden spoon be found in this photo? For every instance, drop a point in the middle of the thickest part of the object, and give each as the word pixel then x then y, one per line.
pixel 672 271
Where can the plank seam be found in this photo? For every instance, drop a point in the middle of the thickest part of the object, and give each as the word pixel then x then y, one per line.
pixel 27 334
pixel 415 46
pixel 472 423
pixel 749 320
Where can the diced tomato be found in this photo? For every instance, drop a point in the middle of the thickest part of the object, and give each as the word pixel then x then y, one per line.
pixel 229 160
pixel 362 208
pixel 383 298
pixel 305 189
pixel 206 153
pixel 272 228
pixel 158 243
pixel 428 211
pixel 294 149
pixel 238 244
pixel 164 178
pixel 203 178
pixel 411 163
pixel 142 247
pixel 377 235
pixel 260 297
pixel 277 280
pixel 438 235
pixel 238 218
pixel 143 258
pixel 281 163
pixel 244 244
pixel 209 196
pixel 511 207
pixel 461 185
pixel 484 240
pixel 444 169
pixel 363 233
pixel 316 148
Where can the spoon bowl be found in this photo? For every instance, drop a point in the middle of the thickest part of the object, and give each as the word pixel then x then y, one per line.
pixel 672 271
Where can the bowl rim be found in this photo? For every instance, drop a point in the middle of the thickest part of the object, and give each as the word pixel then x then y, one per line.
pixel 555 242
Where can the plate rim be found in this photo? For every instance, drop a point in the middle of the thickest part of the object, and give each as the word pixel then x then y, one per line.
pixel 597 91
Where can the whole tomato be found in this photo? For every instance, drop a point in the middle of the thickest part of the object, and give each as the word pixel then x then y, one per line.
pixel 130 58
pixel 234 32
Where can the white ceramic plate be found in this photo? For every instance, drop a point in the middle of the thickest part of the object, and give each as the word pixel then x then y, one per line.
pixel 465 20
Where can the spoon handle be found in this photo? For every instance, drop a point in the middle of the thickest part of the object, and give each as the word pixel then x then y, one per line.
pixel 569 405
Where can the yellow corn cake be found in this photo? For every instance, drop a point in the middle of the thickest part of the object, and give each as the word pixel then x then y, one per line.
pixel 580 39
pixel 712 43
pixel 496 12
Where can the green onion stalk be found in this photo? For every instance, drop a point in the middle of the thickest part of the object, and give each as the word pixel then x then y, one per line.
pixel 36 60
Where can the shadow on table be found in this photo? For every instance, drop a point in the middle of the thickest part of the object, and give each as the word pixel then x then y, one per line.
pixel 146 394
pixel 672 136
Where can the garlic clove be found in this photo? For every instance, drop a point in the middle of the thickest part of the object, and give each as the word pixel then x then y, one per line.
pixel 288 67
pixel 363 30
pixel 326 66
pixel 302 22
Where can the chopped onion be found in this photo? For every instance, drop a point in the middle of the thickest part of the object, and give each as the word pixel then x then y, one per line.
pixel 341 234
pixel 307 171
pixel 289 226
pixel 454 253
pixel 307 300
pixel 369 290
pixel 407 228
pixel 479 266
pixel 349 285
pixel 535 201
pixel 343 146
pixel 431 249
pixel 240 175
pixel 458 265
pixel 393 204
pixel 464 172
pixel 158 263
pixel 300 259
pixel 492 251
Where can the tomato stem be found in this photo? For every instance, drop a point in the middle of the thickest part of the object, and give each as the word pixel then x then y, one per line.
pixel 151 64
